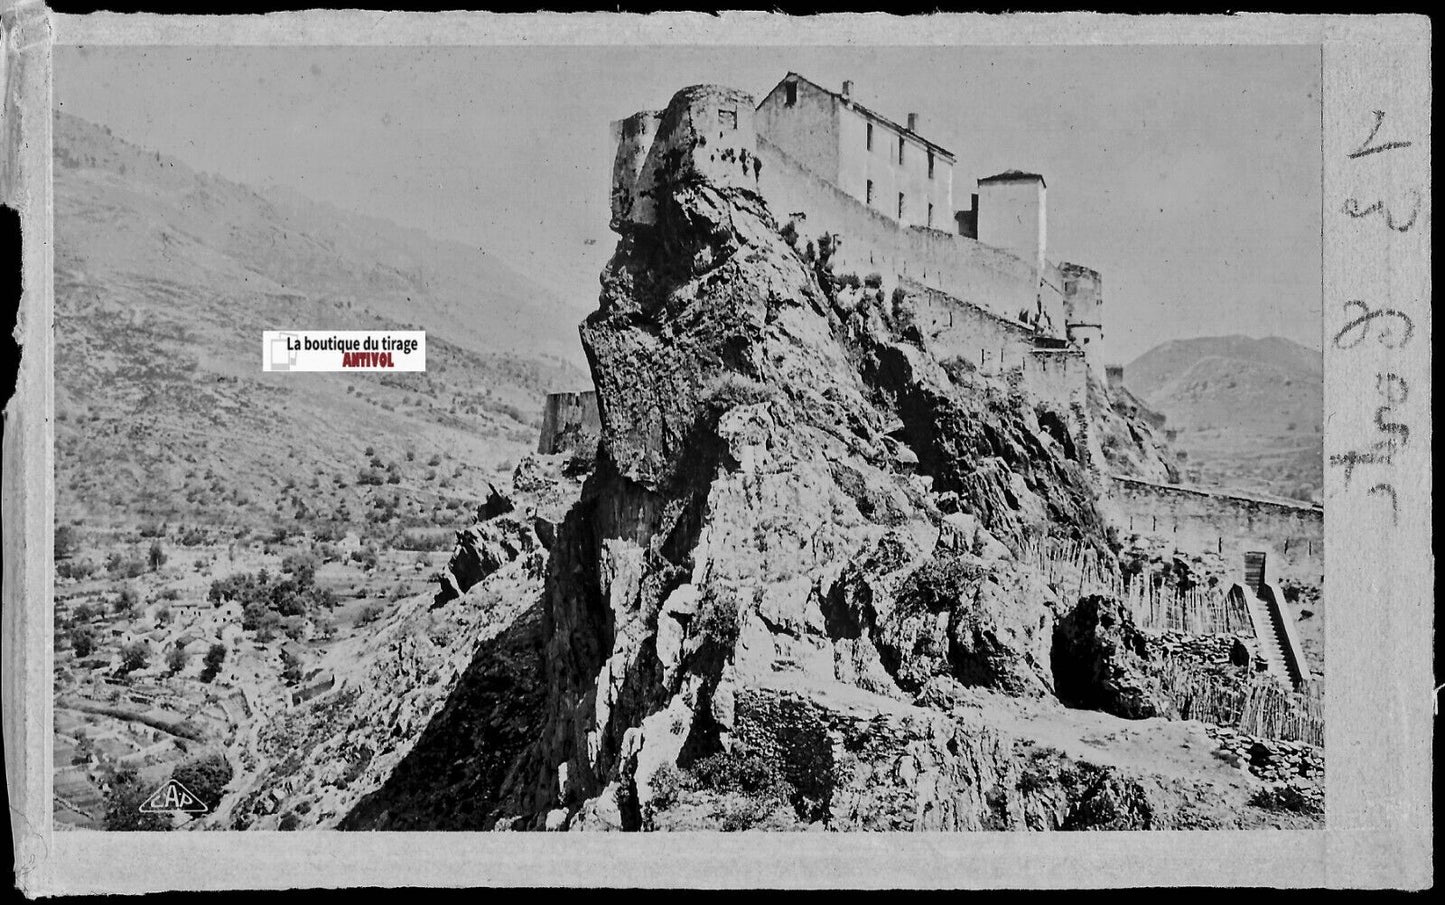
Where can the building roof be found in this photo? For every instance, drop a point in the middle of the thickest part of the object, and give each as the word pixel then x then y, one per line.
pixel 871 114
pixel 1013 176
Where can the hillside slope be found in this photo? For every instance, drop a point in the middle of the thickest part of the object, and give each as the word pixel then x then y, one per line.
pixel 165 279
pixel 1249 413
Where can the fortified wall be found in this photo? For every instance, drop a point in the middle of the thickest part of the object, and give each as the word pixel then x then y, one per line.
pixel 871 242
pixel 999 346
pixel 983 304
pixel 708 131
pixel 1202 520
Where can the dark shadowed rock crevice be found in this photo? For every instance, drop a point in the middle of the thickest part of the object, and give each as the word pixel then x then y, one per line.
pixel 1100 661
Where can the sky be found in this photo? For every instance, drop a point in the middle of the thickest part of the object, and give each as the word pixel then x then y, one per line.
pixel 1188 176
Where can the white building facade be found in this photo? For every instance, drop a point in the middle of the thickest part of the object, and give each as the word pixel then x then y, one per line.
pixel 888 166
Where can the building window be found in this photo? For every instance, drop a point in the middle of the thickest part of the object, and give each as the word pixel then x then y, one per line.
pixel 930 164
pixel 790 93
pixel 870 136
pixel 900 205
pixel 870 189
pixel 728 118
pixel 900 150
pixel 930 216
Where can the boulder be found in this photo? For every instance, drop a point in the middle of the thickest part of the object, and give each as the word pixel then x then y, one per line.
pixel 1100 659
pixel 480 551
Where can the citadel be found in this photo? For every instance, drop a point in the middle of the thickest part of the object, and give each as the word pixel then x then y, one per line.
pixel 880 197
pixel 984 286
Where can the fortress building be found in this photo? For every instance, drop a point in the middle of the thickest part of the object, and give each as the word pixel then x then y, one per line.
pixel 979 279
pixel 883 194
pixel 1011 214
pixel 888 167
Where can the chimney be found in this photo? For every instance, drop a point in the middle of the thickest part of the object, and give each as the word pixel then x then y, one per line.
pixel 847 88
pixel 913 122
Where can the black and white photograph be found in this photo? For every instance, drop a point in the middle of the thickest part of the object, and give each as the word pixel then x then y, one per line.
pixel 926 460
pixel 704 438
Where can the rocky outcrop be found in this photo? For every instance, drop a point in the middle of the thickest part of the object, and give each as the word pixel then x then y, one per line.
pixel 1099 660
pixel 1126 437
pixel 795 556
pixel 766 504
pixel 481 550
pixel 511 525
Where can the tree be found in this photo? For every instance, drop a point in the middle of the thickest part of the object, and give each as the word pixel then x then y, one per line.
pixel 164 616
pixel 82 640
pixel 126 603
pixel 290 667
pixel 156 557
pixel 252 612
pixel 82 613
pixel 293 627
pixel 205 777
pixel 302 566
pixel 65 542
pixel 123 804
pixel 135 655
pixel 176 660
pixel 266 626
pixel 215 656
pixel 369 613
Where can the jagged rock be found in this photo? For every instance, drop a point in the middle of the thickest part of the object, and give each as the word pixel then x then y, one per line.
pixel 481 550
pixel 497 503
pixel 521 523
pixel 798 524
pixel 991 628
pixel 1099 660
pixel 753 512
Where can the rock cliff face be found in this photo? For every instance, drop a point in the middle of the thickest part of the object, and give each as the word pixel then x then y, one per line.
pixel 799 527
pixel 792 591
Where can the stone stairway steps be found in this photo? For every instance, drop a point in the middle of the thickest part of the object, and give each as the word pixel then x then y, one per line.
pixel 1269 637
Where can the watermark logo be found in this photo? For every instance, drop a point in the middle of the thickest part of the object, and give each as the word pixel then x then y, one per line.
pixel 343 350
pixel 173 798
pixel 283 349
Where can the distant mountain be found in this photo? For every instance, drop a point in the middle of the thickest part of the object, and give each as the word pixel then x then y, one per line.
pixel 165 279
pixel 1246 413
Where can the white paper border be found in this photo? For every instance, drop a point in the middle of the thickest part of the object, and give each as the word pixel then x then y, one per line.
pixel 1379 723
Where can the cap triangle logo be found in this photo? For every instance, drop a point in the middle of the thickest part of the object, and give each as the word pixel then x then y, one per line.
pixel 173 797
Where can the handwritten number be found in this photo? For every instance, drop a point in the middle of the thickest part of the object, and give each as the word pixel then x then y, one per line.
pixel 1367 148
pixel 1393 387
pixel 1394 434
pixel 1383 489
pixel 1358 329
pixel 1352 207
pixel 1396 329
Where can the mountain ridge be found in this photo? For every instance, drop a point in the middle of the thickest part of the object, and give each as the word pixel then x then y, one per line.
pixel 1246 413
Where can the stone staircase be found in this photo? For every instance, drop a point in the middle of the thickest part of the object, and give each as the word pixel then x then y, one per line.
pixel 1276 646
pixel 1268 637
